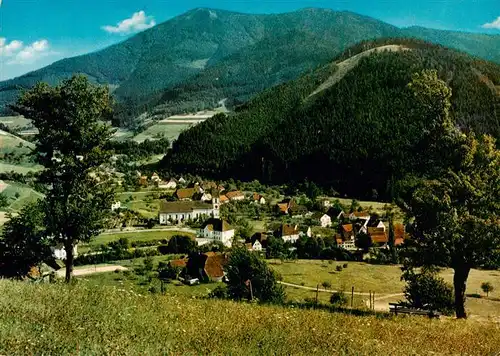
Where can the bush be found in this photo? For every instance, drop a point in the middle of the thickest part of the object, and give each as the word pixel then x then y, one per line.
pixel 338 299
pixel 487 288
pixel 338 268
pixel 220 292
pixel 345 265
pixel 426 290
pixel 326 285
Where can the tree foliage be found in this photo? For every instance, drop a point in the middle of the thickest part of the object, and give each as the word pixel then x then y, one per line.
pixel 246 270
pixel 71 145
pixel 24 243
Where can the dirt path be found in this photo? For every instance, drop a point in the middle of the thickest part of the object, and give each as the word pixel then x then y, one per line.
pixel 383 296
pixel 92 270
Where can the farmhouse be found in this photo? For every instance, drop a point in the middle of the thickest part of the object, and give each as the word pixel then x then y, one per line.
pixel 218 230
pixel 207 266
pixel 322 219
pixel 291 233
pixel 258 241
pixel 180 211
pixel 359 215
pixel 378 236
pixel 224 199
pixel 186 193
pixel 59 251
pixel 171 184
pixel 235 196
pixel 257 198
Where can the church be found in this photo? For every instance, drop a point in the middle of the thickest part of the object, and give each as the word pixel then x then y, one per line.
pixel 177 212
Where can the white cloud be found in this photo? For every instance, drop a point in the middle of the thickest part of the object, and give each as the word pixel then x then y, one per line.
pixel 18 53
pixel 9 49
pixel 138 22
pixel 493 25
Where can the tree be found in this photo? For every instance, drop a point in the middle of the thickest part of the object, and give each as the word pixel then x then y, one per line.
pixel 487 288
pixel 249 276
pixel 71 144
pixel 363 241
pixel 455 207
pixel 181 244
pixel 24 243
pixel 426 290
pixel 4 201
pixel 275 247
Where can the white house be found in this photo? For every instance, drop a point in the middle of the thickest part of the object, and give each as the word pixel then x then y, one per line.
pixel 257 246
pixel 217 230
pixel 257 198
pixel 116 205
pixel 290 233
pixel 171 184
pixel 181 180
pixel 348 245
pixel 324 220
pixel 155 177
pixel 180 211
pixel 59 251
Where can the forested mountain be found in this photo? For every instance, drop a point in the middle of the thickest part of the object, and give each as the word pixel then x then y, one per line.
pixel 198 58
pixel 349 124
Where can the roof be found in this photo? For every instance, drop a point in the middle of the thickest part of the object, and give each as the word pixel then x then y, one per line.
pixel 179 263
pixel 214 264
pixel 259 236
pixel 186 193
pixel 289 230
pixel 378 235
pixel 235 194
pixel 347 228
pixel 334 212
pixel 257 196
pixel 399 234
pixel 223 198
pixel 373 222
pixel 214 224
pixel 360 214
pixel 283 207
pixel 168 207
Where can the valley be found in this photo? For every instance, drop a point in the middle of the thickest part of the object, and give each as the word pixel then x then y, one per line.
pixel 218 182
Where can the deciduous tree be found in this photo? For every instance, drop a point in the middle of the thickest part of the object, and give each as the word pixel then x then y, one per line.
pixel 71 145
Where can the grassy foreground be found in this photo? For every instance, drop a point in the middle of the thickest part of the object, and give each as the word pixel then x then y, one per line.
pixel 85 319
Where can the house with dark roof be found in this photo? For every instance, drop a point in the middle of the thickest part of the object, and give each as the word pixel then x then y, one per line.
pixel 347 231
pixel 257 198
pixel 176 212
pixel 258 241
pixel 324 220
pixel 335 213
pixel 207 266
pixel 218 230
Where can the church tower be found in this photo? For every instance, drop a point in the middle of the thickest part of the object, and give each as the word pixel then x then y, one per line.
pixel 216 207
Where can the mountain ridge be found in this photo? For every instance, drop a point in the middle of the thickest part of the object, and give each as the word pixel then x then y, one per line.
pixel 144 69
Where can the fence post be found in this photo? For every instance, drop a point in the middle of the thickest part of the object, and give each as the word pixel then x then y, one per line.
pixel 317 292
pixel 352 296
pixel 373 300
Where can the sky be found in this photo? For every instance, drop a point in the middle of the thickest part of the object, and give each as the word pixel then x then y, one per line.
pixel 35 33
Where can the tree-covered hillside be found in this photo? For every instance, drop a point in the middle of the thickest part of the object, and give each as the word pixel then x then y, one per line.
pixel 358 135
pixel 196 59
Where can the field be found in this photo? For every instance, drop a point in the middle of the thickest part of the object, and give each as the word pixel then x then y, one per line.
pixel 25 195
pixel 19 168
pixel 169 130
pixel 88 319
pixel 383 280
pixel 15 122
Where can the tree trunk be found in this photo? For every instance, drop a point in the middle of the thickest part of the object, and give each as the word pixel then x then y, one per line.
pixel 459 283
pixel 69 261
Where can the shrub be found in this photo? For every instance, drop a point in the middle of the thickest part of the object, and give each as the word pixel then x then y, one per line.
pixel 338 299
pixel 326 285
pixel 330 262
pixel 487 288
pixel 338 268
pixel 345 265
pixel 426 290
pixel 220 292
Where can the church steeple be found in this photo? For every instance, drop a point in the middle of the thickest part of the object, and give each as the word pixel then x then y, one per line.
pixel 216 207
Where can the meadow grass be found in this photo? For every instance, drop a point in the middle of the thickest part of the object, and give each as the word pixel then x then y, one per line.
pixel 25 194
pixel 170 131
pixel 88 319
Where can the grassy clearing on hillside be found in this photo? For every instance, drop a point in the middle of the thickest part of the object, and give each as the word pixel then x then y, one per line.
pixel 170 131
pixel 15 122
pixel 83 319
pixel 25 195
pixel 19 168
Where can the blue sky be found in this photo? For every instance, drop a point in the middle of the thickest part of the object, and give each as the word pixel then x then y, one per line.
pixel 34 33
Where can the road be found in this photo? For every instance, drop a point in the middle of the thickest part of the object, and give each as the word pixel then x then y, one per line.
pixel 91 270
